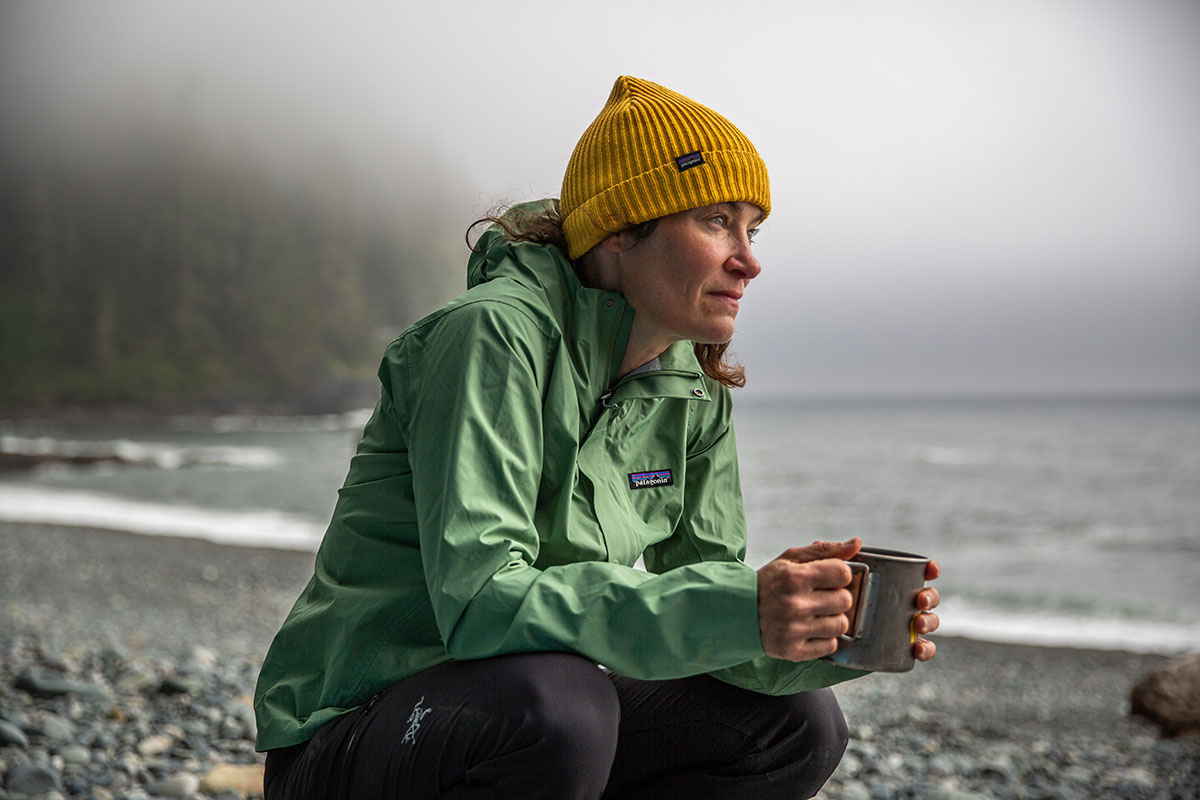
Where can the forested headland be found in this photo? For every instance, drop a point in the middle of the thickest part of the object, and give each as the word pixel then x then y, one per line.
pixel 166 273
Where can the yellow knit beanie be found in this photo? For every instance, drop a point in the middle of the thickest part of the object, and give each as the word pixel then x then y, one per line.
pixel 650 153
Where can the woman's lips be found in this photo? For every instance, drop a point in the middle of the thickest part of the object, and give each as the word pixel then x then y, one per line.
pixel 730 298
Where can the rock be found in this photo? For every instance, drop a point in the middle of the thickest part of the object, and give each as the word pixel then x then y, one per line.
pixel 245 779
pixel 30 779
pixel 135 680
pixel 1001 765
pixel 1075 774
pixel 232 729
pixel 75 785
pixel 195 727
pixel 181 684
pixel 76 754
pixel 243 712
pixel 181 784
pixel 11 734
pixel 941 765
pixel 153 745
pixel 58 728
pixel 854 790
pixel 202 655
pixel 1136 780
pixel 1170 697
pixel 946 793
pixel 47 684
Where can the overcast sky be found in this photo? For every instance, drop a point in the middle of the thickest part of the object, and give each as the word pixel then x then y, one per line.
pixel 968 196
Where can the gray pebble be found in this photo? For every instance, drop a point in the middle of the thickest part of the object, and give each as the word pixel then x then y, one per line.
pixel 1137 779
pixel 181 784
pixel 47 684
pixel 181 684
pixel 243 712
pixel 11 734
pixel 134 680
pixel 1001 765
pixel 58 728
pixel 943 793
pixel 1077 774
pixel 941 765
pixel 231 729
pixel 75 754
pixel 196 727
pixel 30 779
pixel 854 790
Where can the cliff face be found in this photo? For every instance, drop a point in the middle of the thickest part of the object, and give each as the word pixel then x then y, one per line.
pixel 170 274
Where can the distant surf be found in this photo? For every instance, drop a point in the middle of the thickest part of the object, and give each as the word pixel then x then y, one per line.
pixel 262 528
pixel 51 450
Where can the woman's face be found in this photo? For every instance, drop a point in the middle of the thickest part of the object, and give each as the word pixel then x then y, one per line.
pixel 685 280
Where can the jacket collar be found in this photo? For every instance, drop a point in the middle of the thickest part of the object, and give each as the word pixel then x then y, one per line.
pixel 595 322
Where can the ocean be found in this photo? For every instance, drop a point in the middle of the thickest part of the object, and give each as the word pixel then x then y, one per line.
pixel 1063 522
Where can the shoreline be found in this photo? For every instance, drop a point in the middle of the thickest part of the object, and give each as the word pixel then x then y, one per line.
pixel 116 571
pixel 980 714
pixel 295 565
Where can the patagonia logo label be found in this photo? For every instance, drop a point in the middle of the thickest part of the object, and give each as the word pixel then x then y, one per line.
pixel 688 161
pixel 656 477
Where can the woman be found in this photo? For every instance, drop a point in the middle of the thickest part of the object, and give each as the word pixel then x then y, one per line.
pixel 567 414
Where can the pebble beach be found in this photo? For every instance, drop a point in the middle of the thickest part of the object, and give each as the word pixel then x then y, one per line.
pixel 127 663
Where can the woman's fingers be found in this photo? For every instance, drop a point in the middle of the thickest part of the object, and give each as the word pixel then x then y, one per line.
pixel 924 650
pixel 932 570
pixel 925 623
pixel 801 606
pixel 928 599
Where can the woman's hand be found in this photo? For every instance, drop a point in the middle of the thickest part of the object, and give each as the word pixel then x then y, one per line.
pixel 926 621
pixel 802 600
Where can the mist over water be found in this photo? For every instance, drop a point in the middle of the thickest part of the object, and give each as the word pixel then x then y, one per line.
pixel 968 198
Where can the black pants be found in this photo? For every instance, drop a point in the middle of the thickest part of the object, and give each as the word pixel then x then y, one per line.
pixel 554 726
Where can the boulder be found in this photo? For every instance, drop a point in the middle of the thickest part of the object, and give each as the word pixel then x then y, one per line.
pixel 1170 697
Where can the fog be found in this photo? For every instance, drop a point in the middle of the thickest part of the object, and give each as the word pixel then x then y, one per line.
pixel 968 197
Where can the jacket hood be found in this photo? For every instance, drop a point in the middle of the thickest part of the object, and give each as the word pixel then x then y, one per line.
pixel 585 313
pixel 536 266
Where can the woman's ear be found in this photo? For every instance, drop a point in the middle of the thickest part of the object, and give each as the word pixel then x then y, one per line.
pixel 616 242
pixel 598 269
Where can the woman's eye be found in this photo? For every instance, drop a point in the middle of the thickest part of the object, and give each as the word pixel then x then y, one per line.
pixel 718 219
pixel 751 234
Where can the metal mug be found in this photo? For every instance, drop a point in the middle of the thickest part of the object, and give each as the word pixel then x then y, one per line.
pixel 885 584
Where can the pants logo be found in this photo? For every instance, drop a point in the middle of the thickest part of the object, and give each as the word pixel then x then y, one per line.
pixel 414 722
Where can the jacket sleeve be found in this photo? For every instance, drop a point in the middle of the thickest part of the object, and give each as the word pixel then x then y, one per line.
pixel 473 418
pixel 713 528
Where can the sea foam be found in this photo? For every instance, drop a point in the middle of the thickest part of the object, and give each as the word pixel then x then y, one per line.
pixel 257 528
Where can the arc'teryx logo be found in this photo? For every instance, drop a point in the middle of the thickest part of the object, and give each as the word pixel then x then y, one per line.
pixel 655 477
pixel 414 722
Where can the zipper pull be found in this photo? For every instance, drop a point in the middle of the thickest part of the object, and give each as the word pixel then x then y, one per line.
pixel 604 398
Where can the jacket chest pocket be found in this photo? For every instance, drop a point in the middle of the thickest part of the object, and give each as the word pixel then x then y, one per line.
pixel 636 471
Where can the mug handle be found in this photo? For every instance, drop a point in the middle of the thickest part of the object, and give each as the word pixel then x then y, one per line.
pixel 860 579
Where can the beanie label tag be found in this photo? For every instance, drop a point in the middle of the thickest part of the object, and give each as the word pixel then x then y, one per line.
pixel 689 160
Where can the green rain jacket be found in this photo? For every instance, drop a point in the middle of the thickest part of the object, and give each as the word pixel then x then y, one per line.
pixel 503 490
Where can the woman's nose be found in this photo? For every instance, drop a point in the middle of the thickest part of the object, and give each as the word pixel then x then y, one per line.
pixel 744 261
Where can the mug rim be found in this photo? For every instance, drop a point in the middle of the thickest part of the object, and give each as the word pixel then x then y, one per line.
pixel 893 555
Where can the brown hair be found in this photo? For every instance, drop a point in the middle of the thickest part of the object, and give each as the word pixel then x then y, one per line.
pixel 546 227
